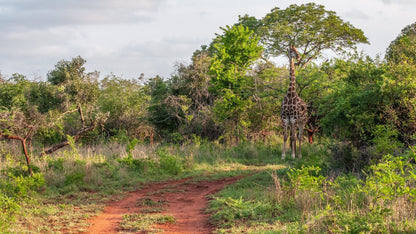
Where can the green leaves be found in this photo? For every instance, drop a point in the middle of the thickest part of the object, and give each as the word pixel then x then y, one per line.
pixel 311 29
pixel 403 48
pixel 236 51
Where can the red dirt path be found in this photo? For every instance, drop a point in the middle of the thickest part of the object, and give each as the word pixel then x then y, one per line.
pixel 186 200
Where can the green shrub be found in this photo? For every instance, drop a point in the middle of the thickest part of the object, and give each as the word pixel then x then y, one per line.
pixel 306 178
pixel 14 189
pixel 132 163
pixel 76 178
pixel 372 221
pixel 171 164
pixel 20 186
pixel 20 170
pixel 392 178
pixel 56 164
pixel 8 207
pixel 50 136
pixel 385 141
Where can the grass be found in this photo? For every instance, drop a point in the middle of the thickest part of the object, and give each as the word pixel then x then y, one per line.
pixel 144 223
pixel 306 199
pixel 83 179
pixel 307 195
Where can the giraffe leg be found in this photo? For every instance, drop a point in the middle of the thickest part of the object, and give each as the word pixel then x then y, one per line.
pixel 293 139
pixel 301 126
pixel 284 139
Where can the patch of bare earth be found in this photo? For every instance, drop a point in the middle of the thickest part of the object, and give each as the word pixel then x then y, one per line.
pixel 184 199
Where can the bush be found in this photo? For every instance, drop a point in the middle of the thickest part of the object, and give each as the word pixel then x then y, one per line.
pixel 171 164
pixel 9 208
pixel 22 187
pixel 14 189
pixel 134 164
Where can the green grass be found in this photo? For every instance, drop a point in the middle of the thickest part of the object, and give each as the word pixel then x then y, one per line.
pixel 306 199
pixel 82 179
pixel 308 195
pixel 144 223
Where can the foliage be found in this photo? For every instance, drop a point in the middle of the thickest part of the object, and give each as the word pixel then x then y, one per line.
pixel 311 29
pixel 193 81
pixel 166 111
pixel 403 48
pixel 70 75
pixel 13 190
pixel 237 50
pixel 171 164
pixel 12 92
pixel 127 112
pixel 368 98
pixel 302 199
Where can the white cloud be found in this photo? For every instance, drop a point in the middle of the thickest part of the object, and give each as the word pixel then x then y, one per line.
pixel 49 13
pixel 130 37
pixel 400 2
pixel 356 14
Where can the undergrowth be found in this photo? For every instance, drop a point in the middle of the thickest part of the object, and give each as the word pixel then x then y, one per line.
pixel 314 194
pixel 306 199
pixel 74 184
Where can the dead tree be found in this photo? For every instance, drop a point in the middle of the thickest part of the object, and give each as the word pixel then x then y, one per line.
pixel 23 141
pixel 14 126
pixel 98 121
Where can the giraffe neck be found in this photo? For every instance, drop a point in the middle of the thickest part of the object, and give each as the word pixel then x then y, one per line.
pixel 292 84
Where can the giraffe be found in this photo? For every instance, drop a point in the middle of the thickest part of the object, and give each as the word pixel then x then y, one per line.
pixel 294 110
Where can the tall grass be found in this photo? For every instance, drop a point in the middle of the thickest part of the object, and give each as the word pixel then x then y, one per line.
pixel 311 195
pixel 305 199
pixel 87 176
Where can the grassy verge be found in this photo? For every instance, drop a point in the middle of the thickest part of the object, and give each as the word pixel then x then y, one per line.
pixel 303 195
pixel 74 184
pixel 305 199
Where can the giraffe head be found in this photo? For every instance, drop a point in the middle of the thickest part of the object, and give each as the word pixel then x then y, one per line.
pixel 293 53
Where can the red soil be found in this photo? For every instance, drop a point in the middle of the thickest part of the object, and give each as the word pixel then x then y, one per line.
pixel 184 199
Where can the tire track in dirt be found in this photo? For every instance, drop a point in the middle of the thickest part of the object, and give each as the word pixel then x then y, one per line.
pixel 186 201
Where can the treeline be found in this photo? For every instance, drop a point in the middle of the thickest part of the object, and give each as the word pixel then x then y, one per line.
pixel 231 91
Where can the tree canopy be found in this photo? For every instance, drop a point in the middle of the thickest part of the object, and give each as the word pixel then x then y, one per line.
pixel 231 90
pixel 403 48
pixel 311 29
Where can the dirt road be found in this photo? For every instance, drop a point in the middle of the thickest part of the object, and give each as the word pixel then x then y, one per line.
pixel 185 199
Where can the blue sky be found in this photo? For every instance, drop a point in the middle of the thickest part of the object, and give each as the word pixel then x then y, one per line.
pixel 130 37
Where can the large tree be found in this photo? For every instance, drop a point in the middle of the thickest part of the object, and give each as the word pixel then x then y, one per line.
pixel 403 48
pixel 82 87
pixel 311 29
pixel 236 51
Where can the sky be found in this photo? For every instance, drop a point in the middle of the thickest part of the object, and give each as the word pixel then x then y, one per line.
pixel 130 37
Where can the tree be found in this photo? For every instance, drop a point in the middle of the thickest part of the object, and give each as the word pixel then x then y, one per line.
pixel 193 81
pixel 13 92
pixel 403 48
pixel 236 51
pixel 251 23
pixel 167 111
pixel 311 29
pixel 81 87
pixel 127 112
pixel 15 126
